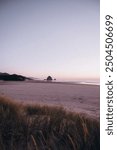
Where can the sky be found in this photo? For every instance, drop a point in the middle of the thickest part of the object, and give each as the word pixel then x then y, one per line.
pixel 50 37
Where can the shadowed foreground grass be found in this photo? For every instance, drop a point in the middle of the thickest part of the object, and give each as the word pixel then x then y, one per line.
pixel 34 127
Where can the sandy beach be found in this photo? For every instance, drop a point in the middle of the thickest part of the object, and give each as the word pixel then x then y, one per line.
pixel 73 97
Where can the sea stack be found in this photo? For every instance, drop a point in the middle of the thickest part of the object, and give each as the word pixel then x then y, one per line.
pixel 49 78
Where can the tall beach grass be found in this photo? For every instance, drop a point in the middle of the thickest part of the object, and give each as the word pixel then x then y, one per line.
pixel 35 127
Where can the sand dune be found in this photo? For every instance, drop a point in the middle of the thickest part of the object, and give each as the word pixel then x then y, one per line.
pixel 73 97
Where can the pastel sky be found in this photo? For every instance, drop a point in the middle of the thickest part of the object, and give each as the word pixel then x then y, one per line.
pixel 50 37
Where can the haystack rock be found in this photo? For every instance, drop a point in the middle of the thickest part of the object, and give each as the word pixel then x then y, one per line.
pixel 49 78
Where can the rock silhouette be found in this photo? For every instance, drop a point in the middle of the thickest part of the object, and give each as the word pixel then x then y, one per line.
pixel 49 78
pixel 13 77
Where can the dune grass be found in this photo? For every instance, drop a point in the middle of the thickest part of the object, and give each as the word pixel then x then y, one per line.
pixel 34 127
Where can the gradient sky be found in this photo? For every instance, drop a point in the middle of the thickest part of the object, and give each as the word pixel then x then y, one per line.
pixel 50 37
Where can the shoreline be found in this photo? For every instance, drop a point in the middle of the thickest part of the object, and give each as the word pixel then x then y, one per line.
pixel 51 82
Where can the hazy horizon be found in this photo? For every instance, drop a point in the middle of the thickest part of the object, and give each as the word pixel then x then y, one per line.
pixel 58 38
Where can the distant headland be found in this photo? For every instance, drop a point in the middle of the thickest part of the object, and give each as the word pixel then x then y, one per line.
pixel 13 77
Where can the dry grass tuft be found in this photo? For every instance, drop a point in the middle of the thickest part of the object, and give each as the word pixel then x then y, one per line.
pixel 34 127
